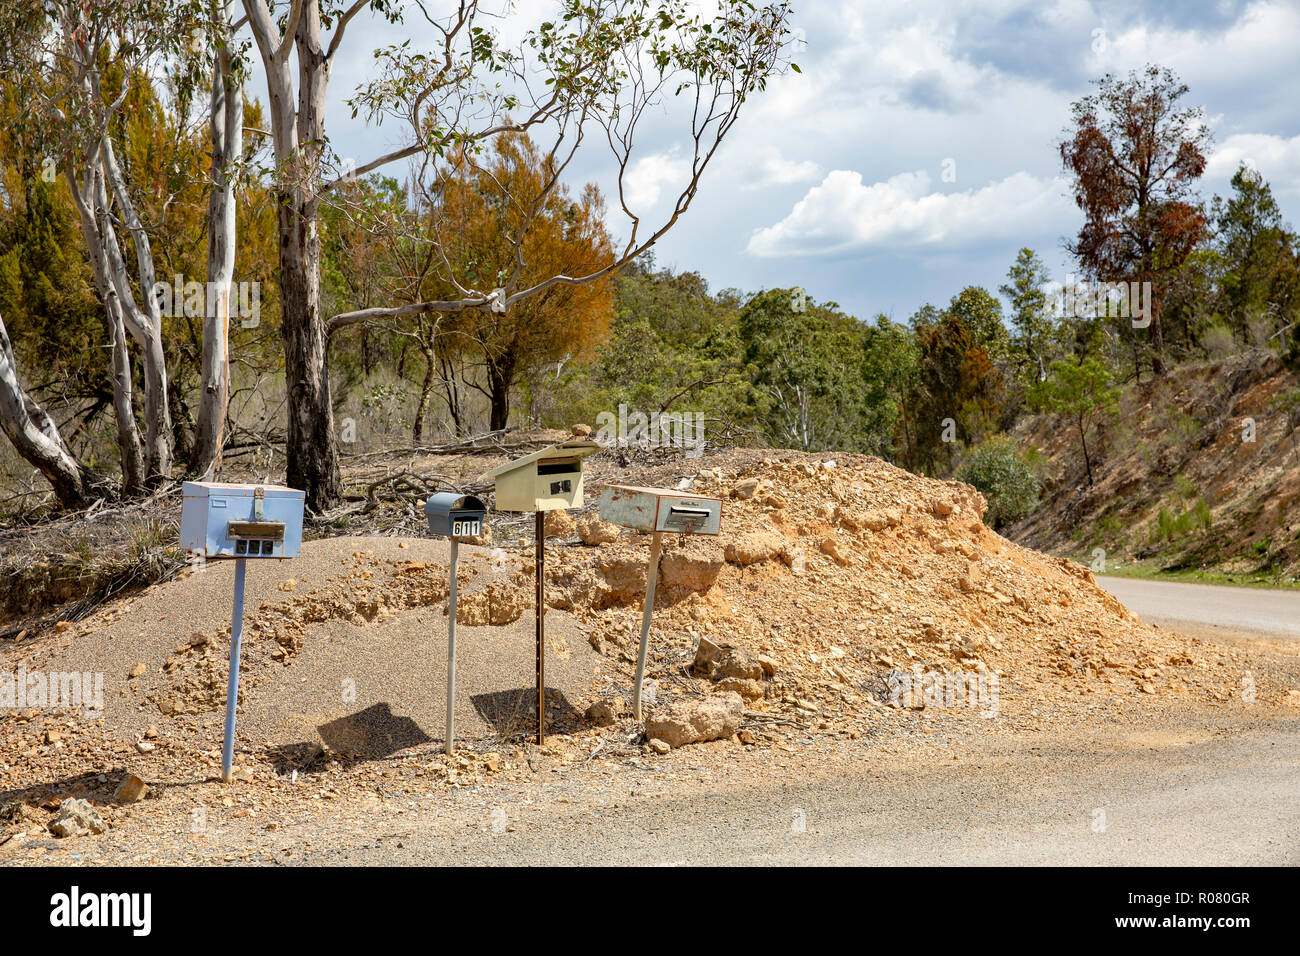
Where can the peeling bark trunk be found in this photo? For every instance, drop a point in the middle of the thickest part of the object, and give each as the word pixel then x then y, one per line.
pixel 115 290
pixel 128 436
pixel 143 320
pixel 226 119
pixel 88 195
pixel 298 133
pixel 36 438
pixel 417 429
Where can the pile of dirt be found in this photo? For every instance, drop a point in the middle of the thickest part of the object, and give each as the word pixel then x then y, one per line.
pixel 849 574
pixel 844 599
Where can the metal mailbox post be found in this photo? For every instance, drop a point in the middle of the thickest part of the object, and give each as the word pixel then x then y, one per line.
pixel 221 521
pixel 654 511
pixel 546 480
pixel 453 516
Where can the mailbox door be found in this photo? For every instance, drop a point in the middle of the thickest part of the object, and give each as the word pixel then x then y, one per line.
pixel 225 509
pixel 698 515
pixel 465 524
pixel 559 489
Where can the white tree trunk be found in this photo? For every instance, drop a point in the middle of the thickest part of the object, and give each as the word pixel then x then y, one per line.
pixel 37 439
pixel 114 285
pixel 143 320
pixel 226 123
pixel 298 135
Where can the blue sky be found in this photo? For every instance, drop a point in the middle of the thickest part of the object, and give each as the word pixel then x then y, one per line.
pixel 916 152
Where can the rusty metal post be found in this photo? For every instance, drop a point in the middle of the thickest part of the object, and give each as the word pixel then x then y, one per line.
pixel 652 575
pixel 540 562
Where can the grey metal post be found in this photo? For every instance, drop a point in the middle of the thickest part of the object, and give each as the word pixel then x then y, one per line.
pixel 451 648
pixel 232 685
pixel 652 575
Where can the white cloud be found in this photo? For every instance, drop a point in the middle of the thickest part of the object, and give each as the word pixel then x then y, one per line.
pixel 646 178
pixel 842 214
pixel 767 167
pixel 1261 40
pixel 1276 158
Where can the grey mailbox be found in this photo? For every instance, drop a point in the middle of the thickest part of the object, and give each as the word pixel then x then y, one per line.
pixel 656 510
pixel 455 516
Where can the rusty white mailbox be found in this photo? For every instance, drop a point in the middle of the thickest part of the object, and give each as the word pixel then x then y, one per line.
pixel 654 511
pixel 222 520
pixel 658 509
pixel 453 516
pixel 546 480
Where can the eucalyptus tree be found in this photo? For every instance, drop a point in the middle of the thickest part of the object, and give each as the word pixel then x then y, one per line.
pixel 598 69
pixel 226 133
pixel 73 62
pixel 77 67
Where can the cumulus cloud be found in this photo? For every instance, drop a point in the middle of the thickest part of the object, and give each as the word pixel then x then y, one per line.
pixel 843 214
pixel 646 178
pixel 1276 158
pixel 767 167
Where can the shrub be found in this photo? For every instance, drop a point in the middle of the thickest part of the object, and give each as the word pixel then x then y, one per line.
pixel 1004 477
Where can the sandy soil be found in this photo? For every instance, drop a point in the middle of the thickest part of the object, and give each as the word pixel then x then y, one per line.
pixel 839 577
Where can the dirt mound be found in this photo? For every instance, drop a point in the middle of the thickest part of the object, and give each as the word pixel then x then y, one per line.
pixel 845 599
pixel 850 575
pixel 353 628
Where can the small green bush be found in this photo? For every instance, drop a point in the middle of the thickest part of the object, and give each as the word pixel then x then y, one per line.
pixel 1005 478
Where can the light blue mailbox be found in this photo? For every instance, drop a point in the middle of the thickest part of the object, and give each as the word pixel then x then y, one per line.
pixel 240 521
pixel 227 520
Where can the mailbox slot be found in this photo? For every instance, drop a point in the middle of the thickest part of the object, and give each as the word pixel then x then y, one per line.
pixel 255 529
pixel 685 518
pixel 233 520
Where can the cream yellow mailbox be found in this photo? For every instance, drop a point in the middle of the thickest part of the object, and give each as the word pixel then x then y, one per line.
pixel 546 480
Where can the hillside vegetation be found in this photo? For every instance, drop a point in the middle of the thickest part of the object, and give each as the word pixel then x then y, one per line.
pixel 1196 471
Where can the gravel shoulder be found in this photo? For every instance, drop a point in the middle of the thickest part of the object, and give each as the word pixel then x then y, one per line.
pixel 1205 789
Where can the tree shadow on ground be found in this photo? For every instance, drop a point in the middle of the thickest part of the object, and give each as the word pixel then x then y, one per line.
pixel 513 713
pixel 371 734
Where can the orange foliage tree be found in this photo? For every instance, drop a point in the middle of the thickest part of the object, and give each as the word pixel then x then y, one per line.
pixel 487 217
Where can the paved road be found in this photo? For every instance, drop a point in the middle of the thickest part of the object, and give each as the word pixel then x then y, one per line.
pixel 1211 801
pixel 1170 603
